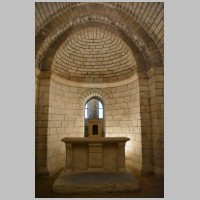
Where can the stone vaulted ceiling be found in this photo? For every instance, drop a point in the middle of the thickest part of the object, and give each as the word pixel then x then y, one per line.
pixel 93 53
pixel 98 42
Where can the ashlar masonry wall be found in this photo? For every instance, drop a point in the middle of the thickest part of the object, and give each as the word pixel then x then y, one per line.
pixel 123 119
pixel 65 120
pixel 41 125
pixel 156 84
pixel 64 117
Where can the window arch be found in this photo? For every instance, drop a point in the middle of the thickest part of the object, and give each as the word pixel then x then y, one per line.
pixel 94 109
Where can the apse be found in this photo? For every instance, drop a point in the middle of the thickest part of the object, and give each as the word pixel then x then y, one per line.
pixel 112 53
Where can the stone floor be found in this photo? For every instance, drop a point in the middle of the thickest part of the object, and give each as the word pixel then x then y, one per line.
pixel 150 187
pixel 95 182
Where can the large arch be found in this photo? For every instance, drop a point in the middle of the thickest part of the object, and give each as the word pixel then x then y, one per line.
pixel 123 22
pixel 142 13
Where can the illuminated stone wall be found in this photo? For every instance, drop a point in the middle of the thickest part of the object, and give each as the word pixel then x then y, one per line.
pixel 64 111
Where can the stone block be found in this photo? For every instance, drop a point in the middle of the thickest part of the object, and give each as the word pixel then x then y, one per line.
pixel 157 137
pixel 52 138
pixel 40 162
pixel 143 82
pixel 144 95
pixel 57 110
pixel 79 124
pixel 38 124
pixel 55 152
pixel 159 85
pixel 78 129
pixel 41 154
pixel 49 153
pixel 157 114
pixel 57 123
pixel 52 131
pixel 41 138
pixel 45 123
pixel 51 124
pixel 146 130
pixel 43 102
pixel 159 154
pixel 43 88
pixel 45 95
pixel 159 71
pixel 145 116
pixel 122 88
pixel 65 88
pixel 73 89
pixel 40 145
pixel 60 130
pixel 73 100
pixel 155 107
pixel 136 116
pixel 158 122
pixel 124 130
pixel 145 109
pixel 39 109
pixel 41 131
pixel 158 145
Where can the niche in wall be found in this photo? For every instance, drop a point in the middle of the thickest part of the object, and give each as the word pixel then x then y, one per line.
pixel 95 129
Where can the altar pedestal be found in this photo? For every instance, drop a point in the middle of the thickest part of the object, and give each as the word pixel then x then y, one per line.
pixel 95 157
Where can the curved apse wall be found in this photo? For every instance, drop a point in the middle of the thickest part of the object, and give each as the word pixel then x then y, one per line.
pixel 66 117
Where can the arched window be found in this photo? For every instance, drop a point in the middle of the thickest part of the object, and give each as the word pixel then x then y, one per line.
pixel 93 110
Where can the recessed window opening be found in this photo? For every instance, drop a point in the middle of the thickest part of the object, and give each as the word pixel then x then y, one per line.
pixel 94 109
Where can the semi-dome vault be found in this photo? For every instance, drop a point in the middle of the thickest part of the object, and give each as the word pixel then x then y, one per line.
pixel 94 55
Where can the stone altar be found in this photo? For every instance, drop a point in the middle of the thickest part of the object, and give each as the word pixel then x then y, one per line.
pixel 95 165
pixel 95 154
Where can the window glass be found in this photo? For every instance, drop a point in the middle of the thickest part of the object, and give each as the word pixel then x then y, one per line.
pixel 100 113
pixel 99 109
pixel 100 105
